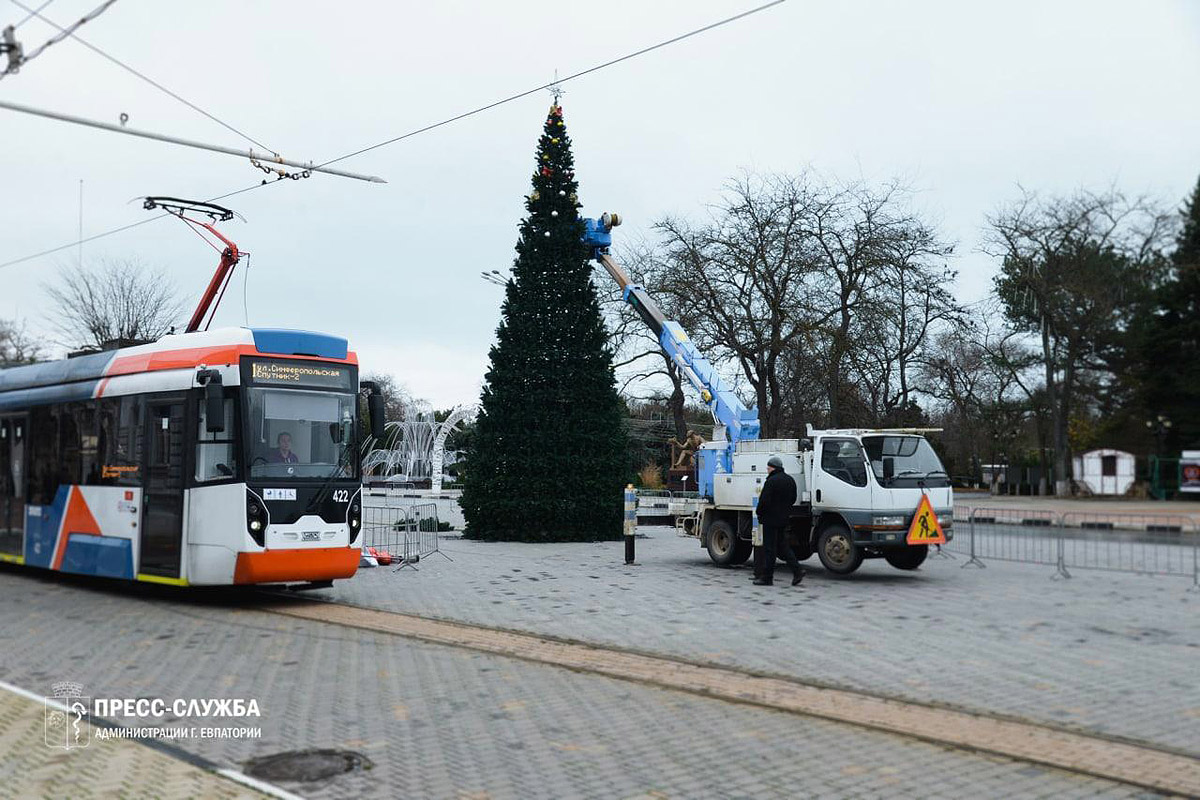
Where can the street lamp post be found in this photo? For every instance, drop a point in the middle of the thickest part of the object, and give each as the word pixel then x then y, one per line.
pixel 1160 426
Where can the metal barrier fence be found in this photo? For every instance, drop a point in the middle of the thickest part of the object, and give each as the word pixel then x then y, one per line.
pixel 1151 544
pixel 676 494
pixel 406 534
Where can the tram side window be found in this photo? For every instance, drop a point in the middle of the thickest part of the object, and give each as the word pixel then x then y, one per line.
pixel 43 455
pixel 122 435
pixel 216 453
pixel 88 470
pixel 68 446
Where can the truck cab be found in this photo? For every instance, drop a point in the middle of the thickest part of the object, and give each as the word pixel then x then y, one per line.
pixel 866 487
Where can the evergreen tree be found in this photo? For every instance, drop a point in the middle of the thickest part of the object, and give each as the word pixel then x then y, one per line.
pixel 549 457
pixel 1165 367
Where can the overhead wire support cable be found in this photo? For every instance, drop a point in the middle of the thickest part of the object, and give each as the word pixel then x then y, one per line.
pixel 32 14
pixel 63 32
pixel 558 81
pixel 142 76
pixel 159 137
pixel 122 228
pixel 426 128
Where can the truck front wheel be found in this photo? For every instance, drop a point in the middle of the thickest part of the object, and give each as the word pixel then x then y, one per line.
pixel 837 550
pixel 909 557
pixel 722 544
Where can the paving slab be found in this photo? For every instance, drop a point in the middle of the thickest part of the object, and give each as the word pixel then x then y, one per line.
pixel 100 768
pixel 1109 653
pixel 444 722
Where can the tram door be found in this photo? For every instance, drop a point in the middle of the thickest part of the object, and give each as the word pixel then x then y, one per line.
pixel 12 485
pixel 162 525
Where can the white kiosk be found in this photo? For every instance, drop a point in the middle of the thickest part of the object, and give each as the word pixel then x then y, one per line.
pixel 1107 472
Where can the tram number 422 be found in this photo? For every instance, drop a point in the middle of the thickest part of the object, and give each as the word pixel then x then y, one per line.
pixel 341 495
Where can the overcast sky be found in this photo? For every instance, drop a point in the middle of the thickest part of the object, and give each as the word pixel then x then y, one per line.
pixel 964 100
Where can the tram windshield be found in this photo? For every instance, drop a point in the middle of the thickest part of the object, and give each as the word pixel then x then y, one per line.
pixel 299 434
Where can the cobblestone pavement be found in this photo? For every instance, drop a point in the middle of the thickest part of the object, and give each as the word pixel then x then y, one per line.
pixel 443 722
pixel 103 769
pixel 1109 653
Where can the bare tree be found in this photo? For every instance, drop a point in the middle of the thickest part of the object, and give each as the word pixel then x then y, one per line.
pixel 908 303
pixel 981 379
pixel 396 398
pixel 121 301
pixel 742 274
pixel 881 279
pixel 1070 269
pixel 793 278
pixel 16 346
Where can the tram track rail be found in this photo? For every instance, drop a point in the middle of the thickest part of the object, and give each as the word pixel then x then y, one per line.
pixel 1129 762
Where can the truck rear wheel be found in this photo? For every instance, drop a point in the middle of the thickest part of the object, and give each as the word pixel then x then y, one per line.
pixel 909 557
pixel 722 544
pixel 837 550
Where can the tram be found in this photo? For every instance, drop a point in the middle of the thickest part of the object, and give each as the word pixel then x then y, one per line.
pixel 215 457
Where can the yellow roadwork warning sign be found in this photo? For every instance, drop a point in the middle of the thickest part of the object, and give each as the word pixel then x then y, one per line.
pixel 925 528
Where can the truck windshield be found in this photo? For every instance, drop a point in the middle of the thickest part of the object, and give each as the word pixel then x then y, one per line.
pixel 914 461
pixel 300 434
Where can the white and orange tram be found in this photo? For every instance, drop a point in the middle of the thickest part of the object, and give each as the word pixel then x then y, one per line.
pixel 220 457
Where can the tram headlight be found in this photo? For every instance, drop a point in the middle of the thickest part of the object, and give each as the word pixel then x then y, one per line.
pixel 354 518
pixel 256 517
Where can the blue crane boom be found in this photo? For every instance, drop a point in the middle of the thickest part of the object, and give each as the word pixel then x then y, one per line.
pixel 740 423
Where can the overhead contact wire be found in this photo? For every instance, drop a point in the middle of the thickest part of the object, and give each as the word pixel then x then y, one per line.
pixel 63 32
pixel 427 128
pixel 545 86
pixel 142 76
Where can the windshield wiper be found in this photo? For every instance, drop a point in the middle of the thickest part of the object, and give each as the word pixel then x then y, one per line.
pixel 319 497
pixel 891 480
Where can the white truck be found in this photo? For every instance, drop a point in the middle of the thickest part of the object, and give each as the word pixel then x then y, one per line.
pixel 857 494
pixel 860 493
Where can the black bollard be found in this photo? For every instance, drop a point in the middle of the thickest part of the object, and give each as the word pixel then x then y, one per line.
pixel 630 522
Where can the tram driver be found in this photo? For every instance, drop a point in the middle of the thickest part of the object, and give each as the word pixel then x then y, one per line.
pixel 283 454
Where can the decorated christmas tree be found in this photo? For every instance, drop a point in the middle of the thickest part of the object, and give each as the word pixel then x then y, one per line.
pixel 549 457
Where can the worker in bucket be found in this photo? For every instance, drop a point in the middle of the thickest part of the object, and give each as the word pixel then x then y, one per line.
pixel 774 510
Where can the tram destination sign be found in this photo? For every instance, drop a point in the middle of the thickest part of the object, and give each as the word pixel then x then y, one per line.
pixel 308 374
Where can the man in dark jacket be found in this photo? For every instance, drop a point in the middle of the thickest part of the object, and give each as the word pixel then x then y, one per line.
pixel 774 511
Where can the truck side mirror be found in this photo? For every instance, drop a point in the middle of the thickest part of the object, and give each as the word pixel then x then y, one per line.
pixel 889 468
pixel 214 402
